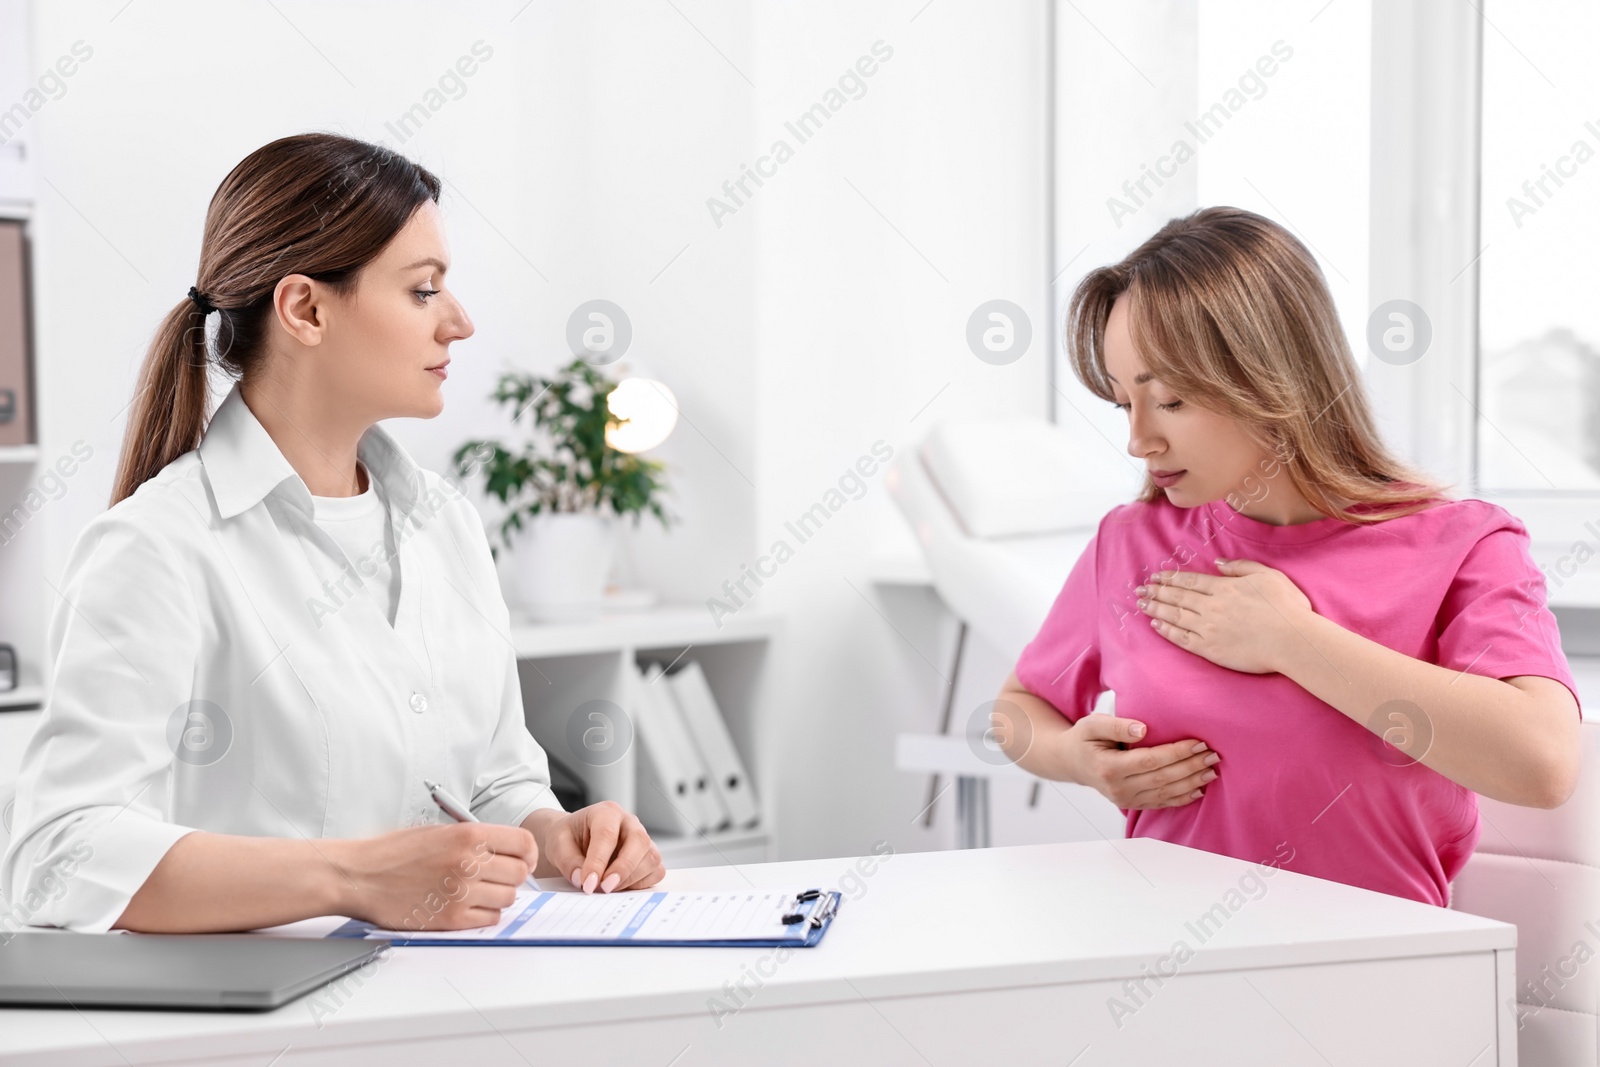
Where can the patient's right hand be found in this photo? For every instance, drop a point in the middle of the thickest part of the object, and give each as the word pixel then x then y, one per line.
pixel 1160 776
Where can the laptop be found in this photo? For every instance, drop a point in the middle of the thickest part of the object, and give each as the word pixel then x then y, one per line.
pixel 215 972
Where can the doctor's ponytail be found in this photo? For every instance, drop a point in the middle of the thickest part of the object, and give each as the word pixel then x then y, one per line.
pixel 317 204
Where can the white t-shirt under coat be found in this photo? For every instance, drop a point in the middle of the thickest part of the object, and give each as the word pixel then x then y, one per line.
pixel 360 524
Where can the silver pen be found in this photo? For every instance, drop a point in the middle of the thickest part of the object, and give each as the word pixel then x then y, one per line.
pixel 452 807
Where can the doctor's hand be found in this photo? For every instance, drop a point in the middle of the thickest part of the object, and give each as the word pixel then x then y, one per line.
pixel 1159 776
pixel 1244 619
pixel 600 847
pixel 443 877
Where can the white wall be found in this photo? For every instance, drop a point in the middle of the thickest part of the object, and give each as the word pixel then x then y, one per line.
pixel 554 195
pixel 916 203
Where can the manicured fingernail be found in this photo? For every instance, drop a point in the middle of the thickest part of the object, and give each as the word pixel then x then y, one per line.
pixel 1201 747
pixel 1137 729
pixel 588 883
pixel 576 871
pixel 610 883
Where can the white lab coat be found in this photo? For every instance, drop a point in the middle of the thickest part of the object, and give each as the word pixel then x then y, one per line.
pixel 210 673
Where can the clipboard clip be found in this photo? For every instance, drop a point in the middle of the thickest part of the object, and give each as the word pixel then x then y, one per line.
pixel 824 910
pixel 820 913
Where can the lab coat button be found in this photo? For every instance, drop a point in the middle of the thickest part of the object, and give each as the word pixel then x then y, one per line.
pixel 419 703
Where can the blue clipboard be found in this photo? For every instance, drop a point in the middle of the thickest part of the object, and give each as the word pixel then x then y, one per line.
pixel 814 907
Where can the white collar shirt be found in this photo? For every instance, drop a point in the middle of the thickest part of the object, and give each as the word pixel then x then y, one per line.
pixel 215 667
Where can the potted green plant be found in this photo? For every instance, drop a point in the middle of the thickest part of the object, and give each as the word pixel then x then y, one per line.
pixel 566 488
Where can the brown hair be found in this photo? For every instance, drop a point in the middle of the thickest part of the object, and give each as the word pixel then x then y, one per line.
pixel 1230 311
pixel 316 204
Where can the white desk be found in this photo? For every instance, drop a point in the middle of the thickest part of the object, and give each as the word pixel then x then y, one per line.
pixel 1310 972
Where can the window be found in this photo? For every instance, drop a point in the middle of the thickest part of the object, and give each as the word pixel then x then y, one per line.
pixel 1538 315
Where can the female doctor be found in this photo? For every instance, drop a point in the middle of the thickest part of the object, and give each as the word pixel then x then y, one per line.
pixel 283 626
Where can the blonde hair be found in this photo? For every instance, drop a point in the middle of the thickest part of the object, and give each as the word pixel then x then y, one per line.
pixel 1231 312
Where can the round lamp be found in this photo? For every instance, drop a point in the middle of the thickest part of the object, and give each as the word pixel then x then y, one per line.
pixel 645 410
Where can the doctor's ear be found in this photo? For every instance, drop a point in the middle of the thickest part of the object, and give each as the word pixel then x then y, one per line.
pixel 300 305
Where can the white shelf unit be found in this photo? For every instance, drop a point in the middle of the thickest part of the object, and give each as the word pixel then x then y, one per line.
pixel 565 667
pixel 25 600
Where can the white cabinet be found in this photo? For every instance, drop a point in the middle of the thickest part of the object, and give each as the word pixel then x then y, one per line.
pixel 584 676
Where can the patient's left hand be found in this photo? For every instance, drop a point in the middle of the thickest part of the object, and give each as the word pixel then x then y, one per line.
pixel 602 846
pixel 1244 619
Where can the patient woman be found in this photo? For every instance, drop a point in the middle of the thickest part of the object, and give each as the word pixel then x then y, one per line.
pixel 1318 657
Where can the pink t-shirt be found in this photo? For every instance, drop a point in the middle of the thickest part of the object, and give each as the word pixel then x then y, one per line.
pixel 1452 585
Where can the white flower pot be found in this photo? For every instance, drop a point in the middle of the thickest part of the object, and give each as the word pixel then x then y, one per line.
pixel 560 562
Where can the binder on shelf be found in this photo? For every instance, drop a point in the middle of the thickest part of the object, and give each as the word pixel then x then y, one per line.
pixel 16 364
pixel 674 795
pixel 712 815
pixel 709 733
pixel 663 796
